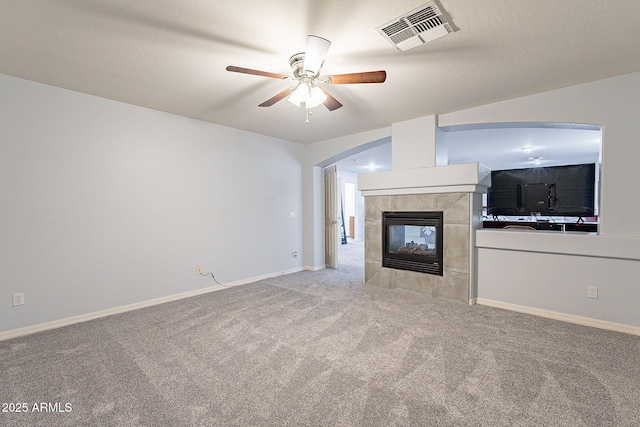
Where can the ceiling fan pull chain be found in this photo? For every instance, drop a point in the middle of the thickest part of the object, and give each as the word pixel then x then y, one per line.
pixel 308 113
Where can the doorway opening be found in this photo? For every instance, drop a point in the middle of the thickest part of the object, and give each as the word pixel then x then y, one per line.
pixel 344 243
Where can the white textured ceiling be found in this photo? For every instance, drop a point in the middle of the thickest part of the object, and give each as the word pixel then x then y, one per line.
pixel 170 55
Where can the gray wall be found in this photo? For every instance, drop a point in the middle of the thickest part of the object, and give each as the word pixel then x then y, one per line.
pixel 104 204
pixel 545 278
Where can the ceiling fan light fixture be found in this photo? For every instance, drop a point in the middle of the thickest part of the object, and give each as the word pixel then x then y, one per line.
pixel 294 101
pixel 316 50
pixel 317 97
pixel 300 94
pixel 306 71
pixel 307 96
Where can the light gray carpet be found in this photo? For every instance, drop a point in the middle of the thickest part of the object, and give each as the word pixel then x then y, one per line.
pixel 322 349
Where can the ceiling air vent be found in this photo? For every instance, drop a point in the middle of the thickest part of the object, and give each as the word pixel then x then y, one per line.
pixel 417 27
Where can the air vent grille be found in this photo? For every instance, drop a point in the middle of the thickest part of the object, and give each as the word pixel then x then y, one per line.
pixel 423 14
pixel 417 27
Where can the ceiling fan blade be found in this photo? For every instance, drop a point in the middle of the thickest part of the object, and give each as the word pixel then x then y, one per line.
pixel 366 77
pixel 331 103
pixel 256 72
pixel 316 50
pixel 279 97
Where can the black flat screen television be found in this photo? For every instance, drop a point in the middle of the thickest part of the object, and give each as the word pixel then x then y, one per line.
pixel 549 191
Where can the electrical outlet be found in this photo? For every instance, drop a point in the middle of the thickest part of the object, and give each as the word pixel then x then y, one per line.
pixel 592 291
pixel 198 269
pixel 294 254
pixel 18 299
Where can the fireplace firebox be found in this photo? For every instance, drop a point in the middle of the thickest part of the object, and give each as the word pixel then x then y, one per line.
pixel 413 241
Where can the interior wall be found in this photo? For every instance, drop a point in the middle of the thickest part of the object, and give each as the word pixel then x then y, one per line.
pixel 104 204
pixel 345 177
pixel 553 272
pixel 414 143
pixel 611 103
pixel 562 285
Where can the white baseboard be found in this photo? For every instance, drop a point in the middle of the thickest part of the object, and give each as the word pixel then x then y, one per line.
pixel 316 268
pixel 135 306
pixel 580 320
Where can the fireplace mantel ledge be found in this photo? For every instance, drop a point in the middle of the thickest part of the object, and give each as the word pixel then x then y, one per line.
pixel 467 177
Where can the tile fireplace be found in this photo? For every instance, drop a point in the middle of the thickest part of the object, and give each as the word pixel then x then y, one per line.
pixel 455 230
pixel 454 194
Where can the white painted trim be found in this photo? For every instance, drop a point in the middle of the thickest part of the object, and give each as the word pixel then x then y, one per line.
pixel 470 188
pixel 130 307
pixel 289 271
pixel 459 175
pixel 554 242
pixel 570 318
pixel 316 268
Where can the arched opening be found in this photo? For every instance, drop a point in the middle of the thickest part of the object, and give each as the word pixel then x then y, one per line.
pixel 497 145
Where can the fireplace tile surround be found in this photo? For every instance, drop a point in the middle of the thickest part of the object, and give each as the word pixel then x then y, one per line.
pixel 456 280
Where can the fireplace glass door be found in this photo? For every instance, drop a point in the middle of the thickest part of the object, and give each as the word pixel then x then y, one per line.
pixel 413 241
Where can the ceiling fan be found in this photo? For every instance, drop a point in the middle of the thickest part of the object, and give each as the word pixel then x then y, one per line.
pixel 306 67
